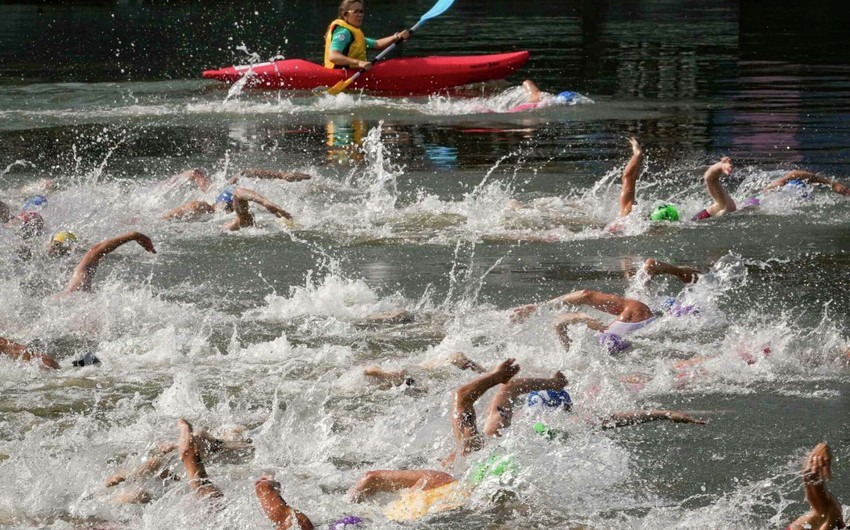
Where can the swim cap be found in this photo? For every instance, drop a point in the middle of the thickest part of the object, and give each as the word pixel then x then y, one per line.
pixel 798 186
pixel 549 433
pixel 32 224
pixel 566 97
pixel 665 212
pixel 752 202
pixel 494 466
pixel 681 310
pixel 88 359
pixel 64 238
pixel 34 203
pixel 615 344
pixel 226 195
pixel 550 398
pixel 346 522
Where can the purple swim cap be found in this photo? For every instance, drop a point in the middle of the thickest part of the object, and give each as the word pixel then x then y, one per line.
pixel 752 202
pixel 615 344
pixel 346 522
pixel 681 310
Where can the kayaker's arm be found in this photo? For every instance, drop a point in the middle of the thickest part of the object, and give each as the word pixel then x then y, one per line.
pixel 395 37
pixel 340 59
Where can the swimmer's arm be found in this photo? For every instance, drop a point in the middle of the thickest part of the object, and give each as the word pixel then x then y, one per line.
pixel 84 272
pixel 288 176
pixel 249 195
pixel 636 417
pixel 808 177
pixel 192 175
pixel 22 353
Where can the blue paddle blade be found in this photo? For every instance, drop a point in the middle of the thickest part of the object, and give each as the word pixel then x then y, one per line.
pixel 438 9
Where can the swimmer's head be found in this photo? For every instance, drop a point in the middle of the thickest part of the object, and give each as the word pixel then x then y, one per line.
pixel 799 187
pixel 30 224
pixel 677 309
pixel 550 399
pixel 566 97
pixel 88 359
pixel 62 243
pixel 225 199
pixel 752 202
pixel 665 212
pixel 350 521
pixel 615 344
pixel 34 203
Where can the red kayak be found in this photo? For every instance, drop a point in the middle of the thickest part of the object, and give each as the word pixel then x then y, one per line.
pixel 416 75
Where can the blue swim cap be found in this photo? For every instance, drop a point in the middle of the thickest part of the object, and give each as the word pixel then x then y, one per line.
pixel 34 203
pixel 566 97
pixel 799 186
pixel 226 195
pixel 550 398
pixel 349 521
pixel 615 344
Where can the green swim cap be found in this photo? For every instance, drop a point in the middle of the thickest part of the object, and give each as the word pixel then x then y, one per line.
pixel 665 212
pixel 494 466
pixel 549 433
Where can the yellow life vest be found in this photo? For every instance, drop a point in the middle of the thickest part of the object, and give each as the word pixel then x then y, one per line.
pixel 356 50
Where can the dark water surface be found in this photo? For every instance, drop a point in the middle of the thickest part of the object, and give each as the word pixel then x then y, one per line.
pixel 409 210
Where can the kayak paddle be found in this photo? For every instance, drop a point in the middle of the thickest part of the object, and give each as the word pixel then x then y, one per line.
pixel 439 8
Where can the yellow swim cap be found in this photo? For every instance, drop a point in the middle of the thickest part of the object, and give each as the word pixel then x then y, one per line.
pixel 65 238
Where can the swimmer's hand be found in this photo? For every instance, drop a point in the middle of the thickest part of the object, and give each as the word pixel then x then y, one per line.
pixel 818 467
pixel 145 242
pixel 288 223
pixel 522 313
pixel 724 165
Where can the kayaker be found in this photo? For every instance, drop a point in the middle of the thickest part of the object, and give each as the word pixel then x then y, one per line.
pixel 345 43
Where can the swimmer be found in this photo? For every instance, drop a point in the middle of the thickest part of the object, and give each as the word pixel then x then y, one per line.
pixel 536 98
pixel 157 465
pixel 61 243
pixel 723 202
pixel 28 224
pixel 800 178
pixel 20 352
pixel 631 314
pixel 84 272
pixel 826 512
pixel 232 199
pixel 500 411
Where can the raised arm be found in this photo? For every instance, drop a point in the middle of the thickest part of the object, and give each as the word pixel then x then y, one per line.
pixel 191 175
pixel 723 202
pixel 636 417
pixel 629 178
pixel 85 270
pixel 268 174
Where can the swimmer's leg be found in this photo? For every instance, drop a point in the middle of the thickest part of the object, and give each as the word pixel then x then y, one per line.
pixel 629 178
pixel 191 457
pixel 463 413
pixel 385 378
pixel 388 480
pixel 280 513
pixel 685 274
pixel 501 410
pixel 563 323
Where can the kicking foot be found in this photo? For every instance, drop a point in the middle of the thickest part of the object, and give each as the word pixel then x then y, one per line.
pixel 636 150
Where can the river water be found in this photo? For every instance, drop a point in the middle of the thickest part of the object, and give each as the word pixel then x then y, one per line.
pixel 440 207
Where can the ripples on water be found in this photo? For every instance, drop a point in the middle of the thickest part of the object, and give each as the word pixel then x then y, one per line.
pixel 441 208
